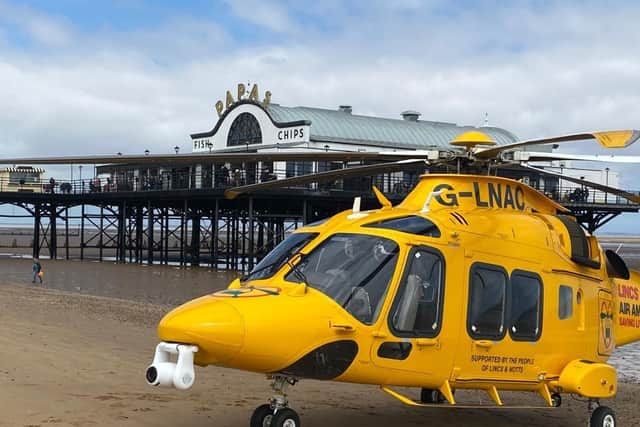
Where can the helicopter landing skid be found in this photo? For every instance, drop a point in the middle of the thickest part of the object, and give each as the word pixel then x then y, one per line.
pixel 410 402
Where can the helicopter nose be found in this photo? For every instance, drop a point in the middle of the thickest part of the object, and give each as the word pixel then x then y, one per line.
pixel 215 326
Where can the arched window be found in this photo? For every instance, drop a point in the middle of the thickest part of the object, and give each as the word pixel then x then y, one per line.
pixel 245 129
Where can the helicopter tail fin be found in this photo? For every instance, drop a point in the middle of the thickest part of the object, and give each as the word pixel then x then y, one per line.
pixel 627 309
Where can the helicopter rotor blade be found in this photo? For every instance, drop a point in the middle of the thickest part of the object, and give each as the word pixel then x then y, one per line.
pixel 635 198
pixel 608 139
pixel 532 156
pixel 352 172
pixel 221 157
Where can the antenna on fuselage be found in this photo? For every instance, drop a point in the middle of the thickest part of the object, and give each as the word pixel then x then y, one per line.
pixel 356 204
pixel 425 207
pixel 355 211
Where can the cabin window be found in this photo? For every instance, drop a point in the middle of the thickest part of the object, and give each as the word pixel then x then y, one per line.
pixel 418 307
pixel 275 259
pixel 409 224
pixel 486 310
pixel 525 306
pixel 565 303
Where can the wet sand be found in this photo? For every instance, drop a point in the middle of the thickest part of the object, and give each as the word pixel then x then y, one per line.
pixel 136 282
pixel 74 354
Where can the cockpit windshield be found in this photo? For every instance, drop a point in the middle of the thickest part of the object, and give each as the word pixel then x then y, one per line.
pixel 353 269
pixel 275 259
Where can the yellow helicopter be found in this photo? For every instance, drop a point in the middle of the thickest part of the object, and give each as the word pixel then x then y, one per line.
pixel 472 282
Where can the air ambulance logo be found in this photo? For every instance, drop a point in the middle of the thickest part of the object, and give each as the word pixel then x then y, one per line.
pixel 606 326
pixel 249 292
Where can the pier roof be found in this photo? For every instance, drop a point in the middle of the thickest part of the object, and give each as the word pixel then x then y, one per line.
pixel 343 126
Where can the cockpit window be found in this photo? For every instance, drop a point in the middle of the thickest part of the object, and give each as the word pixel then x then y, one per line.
pixel 408 224
pixel 353 269
pixel 275 259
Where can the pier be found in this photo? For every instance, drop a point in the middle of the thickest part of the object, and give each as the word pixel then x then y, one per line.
pixel 181 225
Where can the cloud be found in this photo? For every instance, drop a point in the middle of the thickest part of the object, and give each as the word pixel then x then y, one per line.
pixel 264 13
pixel 40 28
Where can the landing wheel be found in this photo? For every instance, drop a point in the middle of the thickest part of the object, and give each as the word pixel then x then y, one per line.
pixel 556 400
pixel 428 395
pixel 262 416
pixel 285 417
pixel 603 416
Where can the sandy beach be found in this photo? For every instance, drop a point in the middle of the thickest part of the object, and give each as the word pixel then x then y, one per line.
pixel 74 359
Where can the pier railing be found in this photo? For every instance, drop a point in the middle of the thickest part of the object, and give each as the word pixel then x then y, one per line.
pixel 397 183
pixel 394 184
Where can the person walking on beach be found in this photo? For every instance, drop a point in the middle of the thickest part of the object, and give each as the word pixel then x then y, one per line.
pixel 37 270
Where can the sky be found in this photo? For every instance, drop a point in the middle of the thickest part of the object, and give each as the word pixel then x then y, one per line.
pixel 81 77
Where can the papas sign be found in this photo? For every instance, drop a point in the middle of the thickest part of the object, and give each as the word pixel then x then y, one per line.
pixel 242 94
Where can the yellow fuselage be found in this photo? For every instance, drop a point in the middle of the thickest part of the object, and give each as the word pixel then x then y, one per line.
pixel 280 325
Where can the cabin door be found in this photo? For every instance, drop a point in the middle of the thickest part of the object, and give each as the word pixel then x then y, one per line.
pixel 414 337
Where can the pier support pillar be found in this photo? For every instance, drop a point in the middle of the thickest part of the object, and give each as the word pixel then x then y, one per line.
pixel 66 232
pixel 122 222
pixel 53 230
pixel 251 232
pixel 139 232
pixel 195 240
pixel 214 235
pixel 36 231
pixel 150 242
pixel 82 242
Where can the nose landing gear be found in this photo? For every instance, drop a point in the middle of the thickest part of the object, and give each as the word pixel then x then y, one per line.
pixel 277 413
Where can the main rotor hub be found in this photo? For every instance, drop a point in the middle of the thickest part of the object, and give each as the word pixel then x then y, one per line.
pixel 471 139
